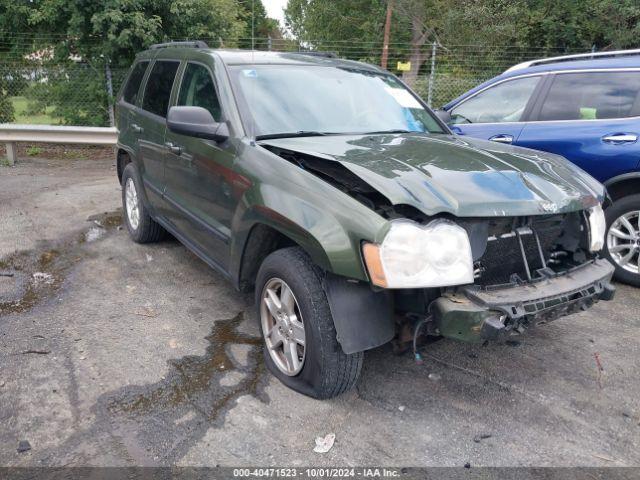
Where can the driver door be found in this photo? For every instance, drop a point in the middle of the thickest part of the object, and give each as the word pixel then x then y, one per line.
pixel 199 173
pixel 497 113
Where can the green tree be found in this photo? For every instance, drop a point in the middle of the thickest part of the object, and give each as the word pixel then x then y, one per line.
pixel 416 24
pixel 83 37
pixel 7 113
pixel 258 25
pixel 546 26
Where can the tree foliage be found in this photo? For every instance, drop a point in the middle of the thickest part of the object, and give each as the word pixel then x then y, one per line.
pixel 85 36
pixel 7 113
pixel 554 25
pixel 569 24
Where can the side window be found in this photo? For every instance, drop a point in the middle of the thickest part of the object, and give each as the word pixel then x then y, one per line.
pixel 197 90
pixel 503 103
pixel 158 90
pixel 130 94
pixel 592 96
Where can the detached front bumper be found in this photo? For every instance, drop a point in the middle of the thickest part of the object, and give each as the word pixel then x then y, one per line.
pixel 474 314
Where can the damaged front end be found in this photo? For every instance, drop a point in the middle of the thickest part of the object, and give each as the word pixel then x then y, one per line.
pixel 517 223
pixel 530 270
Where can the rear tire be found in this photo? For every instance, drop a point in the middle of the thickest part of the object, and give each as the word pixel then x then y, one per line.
pixel 326 371
pixel 629 209
pixel 142 228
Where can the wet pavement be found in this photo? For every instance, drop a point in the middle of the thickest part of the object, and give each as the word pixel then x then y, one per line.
pixel 113 353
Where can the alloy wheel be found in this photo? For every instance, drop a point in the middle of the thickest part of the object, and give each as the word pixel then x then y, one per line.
pixel 131 204
pixel 282 327
pixel 623 241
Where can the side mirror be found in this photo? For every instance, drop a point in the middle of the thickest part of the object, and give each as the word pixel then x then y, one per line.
pixel 196 122
pixel 444 116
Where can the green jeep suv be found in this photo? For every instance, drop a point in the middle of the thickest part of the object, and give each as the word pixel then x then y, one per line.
pixel 331 190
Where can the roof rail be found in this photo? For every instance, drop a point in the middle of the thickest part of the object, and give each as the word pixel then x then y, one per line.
pixel 195 44
pixel 318 53
pixel 573 58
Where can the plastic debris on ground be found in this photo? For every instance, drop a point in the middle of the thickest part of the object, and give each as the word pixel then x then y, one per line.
pixel 42 277
pixel 324 444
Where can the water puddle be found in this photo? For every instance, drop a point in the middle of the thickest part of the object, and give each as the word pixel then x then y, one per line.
pixel 169 416
pixel 30 276
pixel 199 381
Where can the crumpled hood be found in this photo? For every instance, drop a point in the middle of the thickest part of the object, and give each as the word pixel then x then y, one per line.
pixel 464 176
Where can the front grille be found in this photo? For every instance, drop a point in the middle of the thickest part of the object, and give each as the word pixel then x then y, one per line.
pixel 503 257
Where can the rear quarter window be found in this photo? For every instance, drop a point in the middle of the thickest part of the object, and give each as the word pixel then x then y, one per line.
pixel 131 89
pixel 158 90
pixel 592 96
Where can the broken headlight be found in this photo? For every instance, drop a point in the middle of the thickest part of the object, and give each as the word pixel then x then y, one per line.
pixel 597 228
pixel 417 256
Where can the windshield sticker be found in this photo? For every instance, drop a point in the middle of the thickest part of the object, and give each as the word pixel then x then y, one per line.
pixel 403 97
pixel 250 73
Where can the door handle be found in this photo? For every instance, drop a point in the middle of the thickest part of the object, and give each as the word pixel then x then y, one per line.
pixel 173 148
pixel 136 128
pixel 620 138
pixel 502 138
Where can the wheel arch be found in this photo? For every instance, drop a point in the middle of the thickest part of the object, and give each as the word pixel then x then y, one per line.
pixel 363 318
pixel 261 239
pixel 123 158
pixel 623 185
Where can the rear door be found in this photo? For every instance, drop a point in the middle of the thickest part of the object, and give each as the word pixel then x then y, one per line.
pixel 498 112
pixel 199 172
pixel 150 126
pixel 591 118
pixel 128 101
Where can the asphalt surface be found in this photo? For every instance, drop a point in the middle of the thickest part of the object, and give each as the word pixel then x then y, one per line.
pixel 113 353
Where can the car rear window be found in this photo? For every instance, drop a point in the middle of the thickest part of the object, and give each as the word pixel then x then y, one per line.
pixel 159 84
pixel 592 96
pixel 130 94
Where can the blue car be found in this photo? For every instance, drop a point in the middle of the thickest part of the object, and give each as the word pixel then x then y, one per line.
pixel 583 107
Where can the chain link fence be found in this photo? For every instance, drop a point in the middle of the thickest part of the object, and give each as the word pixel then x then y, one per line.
pixel 75 92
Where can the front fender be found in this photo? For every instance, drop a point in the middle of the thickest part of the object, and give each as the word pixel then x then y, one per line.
pixel 330 243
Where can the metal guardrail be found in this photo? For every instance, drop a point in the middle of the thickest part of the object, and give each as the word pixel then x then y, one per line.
pixel 10 134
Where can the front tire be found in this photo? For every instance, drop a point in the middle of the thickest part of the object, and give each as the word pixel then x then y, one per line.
pixel 300 344
pixel 622 245
pixel 142 228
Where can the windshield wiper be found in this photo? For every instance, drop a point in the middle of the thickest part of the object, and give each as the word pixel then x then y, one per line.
pixel 300 133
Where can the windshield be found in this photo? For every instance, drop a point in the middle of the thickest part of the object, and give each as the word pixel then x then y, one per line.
pixel 283 100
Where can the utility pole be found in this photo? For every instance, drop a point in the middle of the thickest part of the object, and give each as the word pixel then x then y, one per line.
pixel 387 33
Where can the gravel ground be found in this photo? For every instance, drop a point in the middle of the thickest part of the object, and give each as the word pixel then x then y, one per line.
pixel 116 354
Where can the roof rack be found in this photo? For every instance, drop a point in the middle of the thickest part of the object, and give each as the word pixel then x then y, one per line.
pixel 318 54
pixel 195 44
pixel 573 58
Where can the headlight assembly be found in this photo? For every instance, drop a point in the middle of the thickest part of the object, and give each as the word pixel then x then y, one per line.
pixel 597 228
pixel 416 256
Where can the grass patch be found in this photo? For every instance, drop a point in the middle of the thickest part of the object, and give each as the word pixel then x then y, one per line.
pixel 33 151
pixel 4 162
pixel 20 105
pixel 74 155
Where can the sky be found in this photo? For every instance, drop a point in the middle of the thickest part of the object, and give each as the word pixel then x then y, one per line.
pixel 275 9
